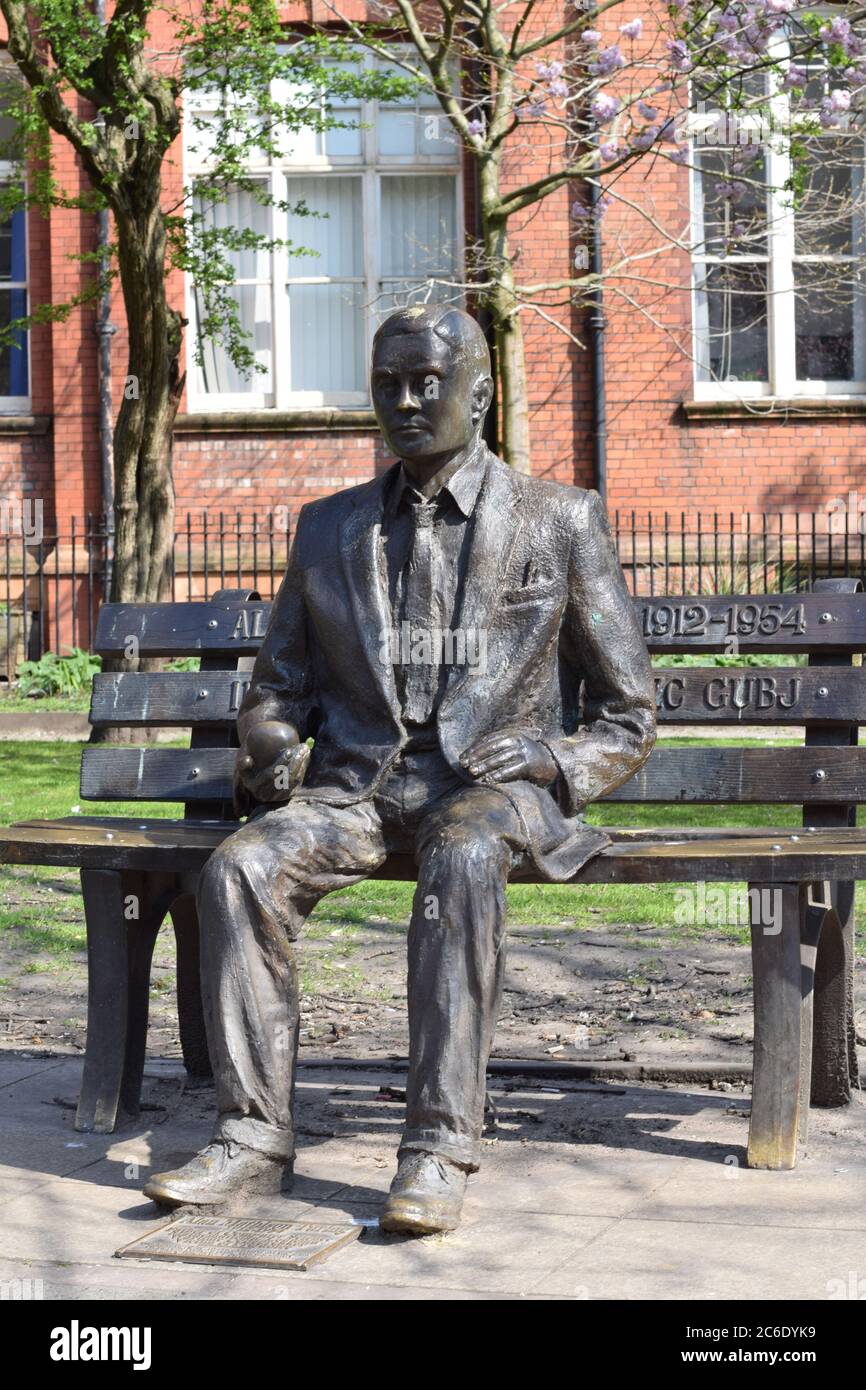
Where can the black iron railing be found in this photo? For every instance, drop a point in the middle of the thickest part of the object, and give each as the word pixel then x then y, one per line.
pixel 51 584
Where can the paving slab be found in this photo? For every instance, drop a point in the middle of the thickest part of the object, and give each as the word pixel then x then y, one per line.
pixel 700 1260
pixel 585 1193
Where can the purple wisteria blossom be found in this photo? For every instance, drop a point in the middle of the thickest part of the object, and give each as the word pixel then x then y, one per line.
pixel 734 192
pixel 839 31
pixel 475 126
pixel 604 107
pixel 548 72
pixel 558 88
pixel 680 57
pixel 609 150
pixel 649 113
pixel 591 37
pixel 794 77
pixel 645 138
pixel 834 108
pixel 579 210
pixel 633 29
pixel 607 60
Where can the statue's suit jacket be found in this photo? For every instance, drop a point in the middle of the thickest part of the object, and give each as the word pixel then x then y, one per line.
pixel 566 662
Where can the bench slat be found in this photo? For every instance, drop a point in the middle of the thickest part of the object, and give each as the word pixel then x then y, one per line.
pixel 756 695
pixel 764 856
pixel 167 699
pixel 748 775
pixel 157 774
pixel 759 622
pixel 684 695
pixel 181 629
pixel 699 775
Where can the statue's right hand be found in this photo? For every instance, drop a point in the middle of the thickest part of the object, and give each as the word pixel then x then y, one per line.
pixel 270 763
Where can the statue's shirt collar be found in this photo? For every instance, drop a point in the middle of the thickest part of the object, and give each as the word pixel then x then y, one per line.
pixel 463 486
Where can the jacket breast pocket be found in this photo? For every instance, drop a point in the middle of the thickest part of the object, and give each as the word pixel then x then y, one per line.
pixel 532 593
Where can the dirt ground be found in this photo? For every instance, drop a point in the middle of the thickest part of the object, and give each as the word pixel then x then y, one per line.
pixel 621 992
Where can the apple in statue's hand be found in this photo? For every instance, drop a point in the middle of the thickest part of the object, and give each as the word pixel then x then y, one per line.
pixel 271 762
pixel 266 742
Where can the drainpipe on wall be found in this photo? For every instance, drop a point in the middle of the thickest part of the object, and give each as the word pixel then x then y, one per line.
pixel 598 324
pixel 490 430
pixel 105 331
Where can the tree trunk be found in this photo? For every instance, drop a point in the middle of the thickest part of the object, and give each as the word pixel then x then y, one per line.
pixel 513 403
pixel 511 373
pixel 144 490
pixel 143 484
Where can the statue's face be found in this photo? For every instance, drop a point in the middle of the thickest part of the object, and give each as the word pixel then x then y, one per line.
pixel 428 397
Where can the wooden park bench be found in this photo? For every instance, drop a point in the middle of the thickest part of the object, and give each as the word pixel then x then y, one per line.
pixel 135 872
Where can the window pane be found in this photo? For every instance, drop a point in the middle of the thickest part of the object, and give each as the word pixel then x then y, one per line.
pixel 335 232
pixel 327 338
pixel 217 372
pixel 418 226
pixel 397 131
pixel 731 318
pixel 416 125
pixel 412 132
pixel 399 294
pixel 239 210
pixel 344 141
pixel 13 247
pixel 731 202
pixel 13 359
pixel 828 219
pixel 829 317
pixel 436 135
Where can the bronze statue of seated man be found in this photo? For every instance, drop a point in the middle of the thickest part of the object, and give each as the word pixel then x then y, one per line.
pixel 459 642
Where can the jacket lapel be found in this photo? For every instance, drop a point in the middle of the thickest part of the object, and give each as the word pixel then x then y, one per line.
pixel 360 542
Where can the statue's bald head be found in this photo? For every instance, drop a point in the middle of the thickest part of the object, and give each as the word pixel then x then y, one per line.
pixel 461 332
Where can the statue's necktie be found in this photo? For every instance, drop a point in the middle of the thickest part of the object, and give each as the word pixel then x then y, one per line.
pixel 420 677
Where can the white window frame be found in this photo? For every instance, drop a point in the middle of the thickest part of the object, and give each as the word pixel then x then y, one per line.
pixel 10 171
pixel 369 166
pixel 780 259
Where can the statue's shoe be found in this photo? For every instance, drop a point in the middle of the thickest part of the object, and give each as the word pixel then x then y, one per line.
pixel 221 1171
pixel 426 1195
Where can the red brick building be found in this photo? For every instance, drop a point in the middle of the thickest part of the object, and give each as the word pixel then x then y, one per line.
pixel 684 433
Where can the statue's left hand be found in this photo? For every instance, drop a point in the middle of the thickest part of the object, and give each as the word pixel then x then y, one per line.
pixel 509 757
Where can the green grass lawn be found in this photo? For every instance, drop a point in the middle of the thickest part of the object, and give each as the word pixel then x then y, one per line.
pixel 14 703
pixel 41 779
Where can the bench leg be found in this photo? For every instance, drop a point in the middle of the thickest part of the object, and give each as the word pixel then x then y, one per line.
pixel 190 1010
pixel 813 921
pixel 123 912
pixel 777 976
pixel 834 1057
pixel 107 1000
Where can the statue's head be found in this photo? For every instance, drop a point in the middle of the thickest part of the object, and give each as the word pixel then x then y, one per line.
pixel 431 381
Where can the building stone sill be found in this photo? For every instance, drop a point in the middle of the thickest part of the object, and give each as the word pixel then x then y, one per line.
pixel 274 421
pixel 24 424
pixel 782 408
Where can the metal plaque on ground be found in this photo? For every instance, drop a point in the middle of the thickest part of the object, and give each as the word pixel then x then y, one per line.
pixel 240 1240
